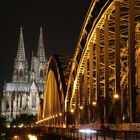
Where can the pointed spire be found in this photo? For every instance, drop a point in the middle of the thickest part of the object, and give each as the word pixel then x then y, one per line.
pixel 21 49
pixel 41 51
pixel 32 78
pixel 32 62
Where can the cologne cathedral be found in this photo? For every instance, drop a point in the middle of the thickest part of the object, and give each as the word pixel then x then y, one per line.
pixel 23 94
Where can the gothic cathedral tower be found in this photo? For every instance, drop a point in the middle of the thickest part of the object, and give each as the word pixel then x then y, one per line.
pixel 20 73
pixel 23 94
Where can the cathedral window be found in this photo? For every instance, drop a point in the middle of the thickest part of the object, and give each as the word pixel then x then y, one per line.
pixel 41 73
pixel 7 106
pixel 20 73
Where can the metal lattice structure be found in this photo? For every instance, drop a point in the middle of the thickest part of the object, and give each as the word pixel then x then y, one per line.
pixel 106 61
pixel 103 85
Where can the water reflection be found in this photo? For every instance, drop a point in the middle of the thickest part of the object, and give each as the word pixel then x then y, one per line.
pixel 16 137
pixel 32 137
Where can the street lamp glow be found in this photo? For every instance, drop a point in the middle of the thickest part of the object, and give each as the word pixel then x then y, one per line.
pixel 8 126
pixel 94 103
pixel 21 125
pixel 116 96
pixel 60 114
pixel 88 131
pixel 32 137
pixel 72 110
pixel 81 107
pixel 16 137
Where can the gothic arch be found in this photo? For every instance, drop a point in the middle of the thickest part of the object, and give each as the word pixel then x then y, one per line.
pixel 21 73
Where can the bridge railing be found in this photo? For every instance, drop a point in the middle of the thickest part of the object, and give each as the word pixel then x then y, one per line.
pixel 91 134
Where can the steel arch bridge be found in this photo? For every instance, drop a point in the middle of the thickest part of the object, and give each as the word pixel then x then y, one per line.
pixel 104 80
pixel 55 89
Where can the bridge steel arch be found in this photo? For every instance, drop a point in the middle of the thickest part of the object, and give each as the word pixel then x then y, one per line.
pixel 104 81
pixel 55 88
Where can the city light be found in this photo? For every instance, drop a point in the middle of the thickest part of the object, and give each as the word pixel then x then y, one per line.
pixel 21 125
pixel 16 137
pixel 94 103
pixel 88 131
pixel 116 96
pixel 8 126
pixel 32 137
pixel 72 110
pixel 81 107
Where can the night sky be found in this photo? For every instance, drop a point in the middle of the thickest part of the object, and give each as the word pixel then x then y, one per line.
pixel 61 21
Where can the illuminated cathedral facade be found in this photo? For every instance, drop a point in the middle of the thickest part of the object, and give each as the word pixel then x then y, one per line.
pixel 23 94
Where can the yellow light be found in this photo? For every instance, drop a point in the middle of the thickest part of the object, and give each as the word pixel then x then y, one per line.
pixel 20 126
pixel 73 104
pixel 116 96
pixel 81 107
pixel 16 137
pixel 72 110
pixel 64 126
pixel 94 103
pixel 60 114
pixel 32 137
pixel 8 126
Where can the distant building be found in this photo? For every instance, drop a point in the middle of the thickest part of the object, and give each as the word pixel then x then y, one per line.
pixel 23 94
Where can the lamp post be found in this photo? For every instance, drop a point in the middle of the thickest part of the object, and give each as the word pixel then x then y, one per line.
pixel 72 113
pixel 80 114
pixel 60 116
pixel 94 104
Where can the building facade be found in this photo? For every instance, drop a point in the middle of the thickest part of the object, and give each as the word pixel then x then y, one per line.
pixel 23 94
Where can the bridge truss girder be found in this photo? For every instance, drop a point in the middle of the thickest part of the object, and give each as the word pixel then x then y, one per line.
pixel 106 63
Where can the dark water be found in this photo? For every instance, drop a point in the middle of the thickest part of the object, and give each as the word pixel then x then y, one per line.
pixel 38 137
pixel 26 137
pixel 28 134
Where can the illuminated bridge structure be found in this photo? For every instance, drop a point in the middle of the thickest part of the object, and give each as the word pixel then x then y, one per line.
pixel 100 84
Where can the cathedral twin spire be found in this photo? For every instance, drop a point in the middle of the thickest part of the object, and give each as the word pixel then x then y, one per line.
pixel 20 72
pixel 21 48
pixel 22 95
